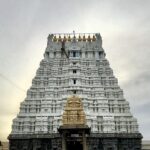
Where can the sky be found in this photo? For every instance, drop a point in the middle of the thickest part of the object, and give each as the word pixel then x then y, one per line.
pixel 125 29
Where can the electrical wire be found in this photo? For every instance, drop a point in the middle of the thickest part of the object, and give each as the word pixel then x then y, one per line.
pixel 11 82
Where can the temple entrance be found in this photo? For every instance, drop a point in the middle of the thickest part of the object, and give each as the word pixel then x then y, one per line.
pixel 74 128
pixel 74 145
pixel 74 138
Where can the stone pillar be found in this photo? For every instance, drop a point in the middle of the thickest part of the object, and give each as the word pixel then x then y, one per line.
pixel 84 141
pixel 34 144
pixel 115 147
pixel 64 141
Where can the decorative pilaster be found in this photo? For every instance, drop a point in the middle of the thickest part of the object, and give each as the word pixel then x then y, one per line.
pixel 64 141
pixel 84 141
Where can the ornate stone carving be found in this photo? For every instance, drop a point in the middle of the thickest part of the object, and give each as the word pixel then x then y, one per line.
pixel 73 113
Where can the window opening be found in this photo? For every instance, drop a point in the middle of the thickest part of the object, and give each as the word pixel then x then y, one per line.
pixel 74 71
pixel 74 54
pixel 74 81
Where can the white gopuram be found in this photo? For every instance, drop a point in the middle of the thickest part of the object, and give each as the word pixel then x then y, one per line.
pixel 74 64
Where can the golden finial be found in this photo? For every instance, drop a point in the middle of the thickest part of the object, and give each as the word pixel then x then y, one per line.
pixel 55 39
pixel 94 38
pixel 69 38
pixel 84 39
pixel 59 39
pixel 74 37
pixel 65 39
pixel 89 38
pixel 79 39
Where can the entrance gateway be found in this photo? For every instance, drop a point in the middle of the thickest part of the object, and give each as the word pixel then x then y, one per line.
pixel 75 67
pixel 74 128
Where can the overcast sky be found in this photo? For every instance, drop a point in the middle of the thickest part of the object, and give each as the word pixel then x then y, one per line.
pixel 123 24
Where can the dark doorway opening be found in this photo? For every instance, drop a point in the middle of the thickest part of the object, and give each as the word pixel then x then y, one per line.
pixel 74 145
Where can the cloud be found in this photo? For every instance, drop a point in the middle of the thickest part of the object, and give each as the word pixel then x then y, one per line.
pixel 124 26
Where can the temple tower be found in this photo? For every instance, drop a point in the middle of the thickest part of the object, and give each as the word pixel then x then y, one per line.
pixel 75 71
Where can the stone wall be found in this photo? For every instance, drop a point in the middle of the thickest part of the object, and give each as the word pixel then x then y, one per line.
pixel 94 142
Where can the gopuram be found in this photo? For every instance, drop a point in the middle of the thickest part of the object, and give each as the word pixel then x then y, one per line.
pixel 75 102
